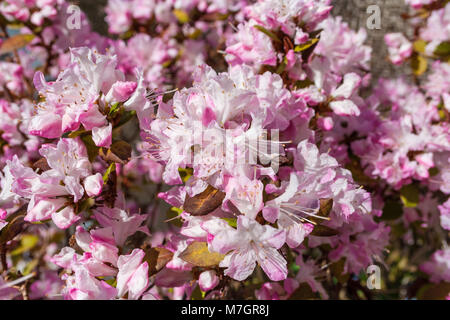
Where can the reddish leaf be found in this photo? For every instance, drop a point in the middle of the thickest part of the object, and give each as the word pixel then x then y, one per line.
pixel 157 259
pixel 205 202
pixel 15 42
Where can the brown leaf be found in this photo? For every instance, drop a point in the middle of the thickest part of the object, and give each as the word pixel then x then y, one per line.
pixel 323 231
pixel 325 207
pixel 303 292
pixel 15 226
pixel 197 253
pixel 41 165
pixel 287 44
pixel 337 269
pixel 120 152
pixel 434 291
pixel 15 42
pixel 157 259
pixel 324 210
pixel 205 202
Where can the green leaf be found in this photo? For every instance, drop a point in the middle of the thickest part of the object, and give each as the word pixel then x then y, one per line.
pixel 86 204
pixel 294 268
pixel 419 46
pixel 27 242
pixel 410 196
pixel 185 174
pixel 433 171
pixel 443 49
pixel 197 253
pixel 16 25
pixel 303 83
pixel 282 66
pixel 306 45
pixel 181 15
pixel 392 210
pixel 173 213
pixel 111 168
pixel 194 35
pixel 91 148
pixel 231 221
pixel 75 134
pixel 125 117
pixel 197 294
pixel 114 108
pixel 269 33
pixel 30 267
pixel 419 65
pixel 112 282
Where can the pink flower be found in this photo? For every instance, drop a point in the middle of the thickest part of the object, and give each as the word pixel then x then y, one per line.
pixel 93 185
pixel 43 209
pixel 343 105
pixel 47 286
pixel 270 291
pixel 251 243
pixel 102 136
pixel 436 30
pixel 69 161
pixel 399 47
pixel 285 14
pixel 7 292
pixel 208 280
pixel 133 274
pixel 250 46
pixel 292 210
pixel 72 100
pixel 83 286
pixel 245 194
pixel 445 215
pixel 343 47
pixel 122 224
pixel 308 274
pixel 417 4
pixel 121 91
pixel 65 217
pixel 439 266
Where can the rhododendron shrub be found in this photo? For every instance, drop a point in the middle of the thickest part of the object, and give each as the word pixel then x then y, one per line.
pixel 221 150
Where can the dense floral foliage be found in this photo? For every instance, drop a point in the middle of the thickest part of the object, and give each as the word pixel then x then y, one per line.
pixel 214 149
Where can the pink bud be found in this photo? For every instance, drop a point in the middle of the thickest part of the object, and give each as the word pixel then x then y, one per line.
pixel 325 123
pixel 102 136
pixel 93 185
pixel 121 91
pixel 65 218
pixel 208 280
pixel 44 209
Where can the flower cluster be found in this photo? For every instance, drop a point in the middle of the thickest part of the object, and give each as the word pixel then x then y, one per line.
pixel 211 149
